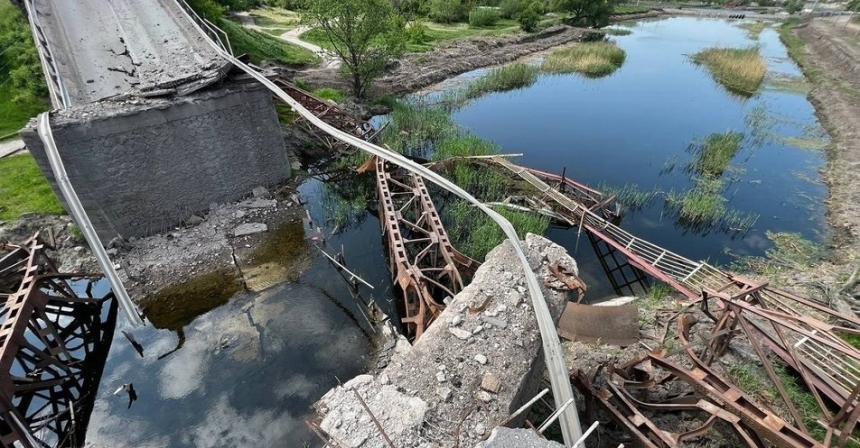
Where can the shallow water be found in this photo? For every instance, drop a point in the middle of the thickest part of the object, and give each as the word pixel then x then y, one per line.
pixel 624 128
pixel 245 371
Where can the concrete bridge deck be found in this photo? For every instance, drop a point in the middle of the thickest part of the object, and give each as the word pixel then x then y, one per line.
pixel 105 48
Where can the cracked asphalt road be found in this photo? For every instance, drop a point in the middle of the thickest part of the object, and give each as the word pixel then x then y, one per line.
pixel 108 47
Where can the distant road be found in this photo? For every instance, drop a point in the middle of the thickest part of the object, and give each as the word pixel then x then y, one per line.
pixel 108 47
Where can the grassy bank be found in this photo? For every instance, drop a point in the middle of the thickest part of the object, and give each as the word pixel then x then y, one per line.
pixel 740 70
pixel 431 34
pixel 23 189
pixel 794 45
pixel 590 59
pixel 261 46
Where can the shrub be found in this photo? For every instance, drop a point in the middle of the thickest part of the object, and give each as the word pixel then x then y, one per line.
pixel 529 20
pixel 416 32
pixel 483 17
pixel 510 9
pixel 446 11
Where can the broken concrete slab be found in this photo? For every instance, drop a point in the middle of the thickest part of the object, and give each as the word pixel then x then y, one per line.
pixel 516 438
pixel 514 361
pixel 249 228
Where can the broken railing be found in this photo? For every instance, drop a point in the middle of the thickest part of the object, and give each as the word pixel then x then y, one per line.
pixel 427 267
pixel 779 320
pixel 55 335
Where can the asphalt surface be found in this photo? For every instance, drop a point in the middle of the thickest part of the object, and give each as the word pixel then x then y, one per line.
pixel 109 47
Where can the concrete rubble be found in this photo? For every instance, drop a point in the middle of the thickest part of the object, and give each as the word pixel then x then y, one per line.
pixel 465 375
pixel 516 438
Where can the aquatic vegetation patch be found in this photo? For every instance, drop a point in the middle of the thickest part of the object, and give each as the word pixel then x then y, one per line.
pixel 741 70
pixel 704 207
pixel 591 59
pixel 789 251
pixel 503 79
pixel 753 29
pixel 711 156
pixel 630 195
pixel 413 128
pixel 612 31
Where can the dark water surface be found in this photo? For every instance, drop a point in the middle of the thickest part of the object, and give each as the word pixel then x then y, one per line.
pixel 625 128
pixel 251 365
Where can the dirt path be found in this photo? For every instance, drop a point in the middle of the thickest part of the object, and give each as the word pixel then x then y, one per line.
pixel 834 53
pixel 9 147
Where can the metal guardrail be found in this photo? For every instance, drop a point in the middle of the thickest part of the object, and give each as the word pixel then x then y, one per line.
pixel 56 88
pixel 555 360
pixel 43 128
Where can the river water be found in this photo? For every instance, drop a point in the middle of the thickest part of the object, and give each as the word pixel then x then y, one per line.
pixel 251 364
pixel 631 126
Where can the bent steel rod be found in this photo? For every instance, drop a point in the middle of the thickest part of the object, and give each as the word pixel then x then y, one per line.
pixel 558 373
pixel 77 210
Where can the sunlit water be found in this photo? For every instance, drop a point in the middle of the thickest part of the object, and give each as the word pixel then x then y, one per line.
pixel 250 369
pixel 628 127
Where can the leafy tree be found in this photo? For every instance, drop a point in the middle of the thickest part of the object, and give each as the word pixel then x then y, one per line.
pixel 529 19
pixel 446 11
pixel 366 34
pixel 594 13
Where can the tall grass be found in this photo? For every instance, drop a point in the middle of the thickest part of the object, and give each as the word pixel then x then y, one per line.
pixel 591 59
pixel 630 195
pixel 502 79
pixel 703 207
pixel 712 156
pixel 413 128
pixel 754 29
pixel 740 70
pixel 474 233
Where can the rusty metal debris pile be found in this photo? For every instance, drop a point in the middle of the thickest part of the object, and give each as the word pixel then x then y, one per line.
pixel 55 333
pixel 426 266
pixel 770 321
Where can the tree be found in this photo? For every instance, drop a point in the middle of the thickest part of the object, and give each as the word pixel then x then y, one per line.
pixel 594 13
pixel 365 34
pixel 447 11
pixel 529 19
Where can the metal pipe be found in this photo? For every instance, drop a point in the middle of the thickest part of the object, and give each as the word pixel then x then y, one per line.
pixel 554 416
pixel 77 210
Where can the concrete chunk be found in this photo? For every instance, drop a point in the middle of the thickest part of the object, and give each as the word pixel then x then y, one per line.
pixel 250 228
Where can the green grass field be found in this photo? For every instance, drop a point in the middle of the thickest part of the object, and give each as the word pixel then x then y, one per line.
pixel 23 189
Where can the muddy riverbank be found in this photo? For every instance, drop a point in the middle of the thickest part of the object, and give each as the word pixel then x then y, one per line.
pixel 415 71
pixel 830 58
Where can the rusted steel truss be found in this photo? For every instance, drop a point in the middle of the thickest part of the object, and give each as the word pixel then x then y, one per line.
pixel 427 267
pixel 329 113
pixel 55 334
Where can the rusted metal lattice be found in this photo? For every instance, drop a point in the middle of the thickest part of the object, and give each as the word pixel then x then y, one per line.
pixel 427 268
pixel 54 340
pixel 329 113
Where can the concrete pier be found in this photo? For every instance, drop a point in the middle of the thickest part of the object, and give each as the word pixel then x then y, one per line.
pixel 142 166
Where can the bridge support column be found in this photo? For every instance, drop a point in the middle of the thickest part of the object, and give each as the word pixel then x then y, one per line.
pixel 142 166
